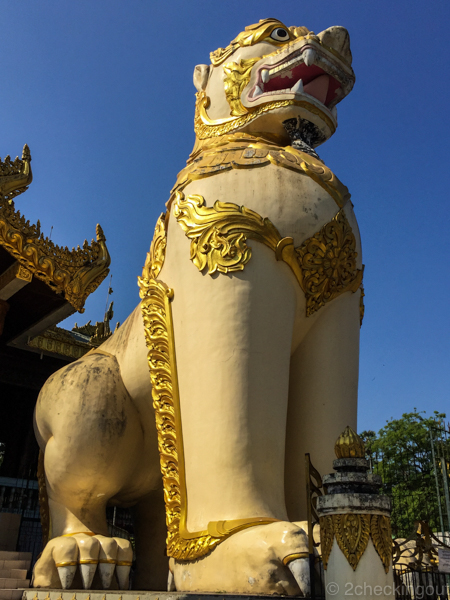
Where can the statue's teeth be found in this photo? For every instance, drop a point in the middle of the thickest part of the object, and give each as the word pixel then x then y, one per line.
pixel 265 75
pixel 298 87
pixel 309 57
pixel 258 91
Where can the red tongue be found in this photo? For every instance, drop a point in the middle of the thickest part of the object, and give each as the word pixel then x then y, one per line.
pixel 318 88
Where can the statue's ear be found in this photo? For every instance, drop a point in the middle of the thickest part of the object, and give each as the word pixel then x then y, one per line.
pixel 201 74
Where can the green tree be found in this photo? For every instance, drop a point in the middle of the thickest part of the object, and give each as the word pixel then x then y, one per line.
pixel 401 453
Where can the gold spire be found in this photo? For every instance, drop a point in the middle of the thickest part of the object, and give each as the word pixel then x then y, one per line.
pixel 349 445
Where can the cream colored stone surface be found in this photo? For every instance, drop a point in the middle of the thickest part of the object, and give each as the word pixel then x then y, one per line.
pixel 260 384
pixel 368 581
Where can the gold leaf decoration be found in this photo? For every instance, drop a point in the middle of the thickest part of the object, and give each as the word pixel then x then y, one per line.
pixel 380 532
pixel 352 533
pixel 205 128
pixel 254 34
pixel 237 76
pixel 326 538
pixel 245 151
pixel 155 258
pixel 219 233
pixel 328 262
pixel 219 236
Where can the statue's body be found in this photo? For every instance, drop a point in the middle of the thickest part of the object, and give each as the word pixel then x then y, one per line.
pixel 266 344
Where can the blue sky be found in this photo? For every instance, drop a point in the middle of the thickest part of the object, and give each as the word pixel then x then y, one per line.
pixel 102 93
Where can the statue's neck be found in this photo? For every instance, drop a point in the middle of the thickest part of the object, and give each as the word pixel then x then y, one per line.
pixel 304 135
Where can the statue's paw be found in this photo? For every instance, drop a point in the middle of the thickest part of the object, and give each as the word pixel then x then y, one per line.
pixel 63 556
pixel 266 559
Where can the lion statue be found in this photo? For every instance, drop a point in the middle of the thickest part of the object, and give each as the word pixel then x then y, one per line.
pixel 244 348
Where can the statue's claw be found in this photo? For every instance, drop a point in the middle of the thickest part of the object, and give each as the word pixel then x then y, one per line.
pixel 87 573
pixel 106 571
pixel 61 557
pixel 300 570
pixel 171 582
pixel 66 574
pixel 124 561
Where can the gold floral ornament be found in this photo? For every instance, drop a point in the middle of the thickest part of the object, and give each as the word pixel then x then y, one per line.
pixel 328 262
pixel 380 532
pixel 326 538
pixel 352 533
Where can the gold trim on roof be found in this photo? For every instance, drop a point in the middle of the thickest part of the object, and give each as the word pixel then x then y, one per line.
pixel 59 341
pixel 75 273
pixel 15 175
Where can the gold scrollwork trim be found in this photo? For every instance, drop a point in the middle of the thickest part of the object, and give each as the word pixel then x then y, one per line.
pixel 324 265
pixel 157 314
pixel 219 233
pixel 236 77
pixel 205 128
pixel 76 273
pixel 244 151
pixel 352 532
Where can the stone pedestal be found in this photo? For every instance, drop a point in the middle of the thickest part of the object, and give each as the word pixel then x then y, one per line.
pixel 355 531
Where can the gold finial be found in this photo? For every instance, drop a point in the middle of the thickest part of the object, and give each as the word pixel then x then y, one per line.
pixel 26 153
pixel 100 234
pixel 349 445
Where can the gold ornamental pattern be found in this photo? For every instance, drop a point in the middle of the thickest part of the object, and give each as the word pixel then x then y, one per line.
pixel 15 175
pixel 245 151
pixel 219 233
pixel 156 298
pixel 205 128
pixel 328 263
pixel 76 273
pixel 236 77
pixel 326 538
pixel 324 265
pixel 352 533
pixel 381 534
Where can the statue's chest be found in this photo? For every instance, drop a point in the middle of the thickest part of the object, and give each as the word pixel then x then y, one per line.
pixel 294 203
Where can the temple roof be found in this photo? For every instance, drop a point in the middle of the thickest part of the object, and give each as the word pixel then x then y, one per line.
pixel 41 283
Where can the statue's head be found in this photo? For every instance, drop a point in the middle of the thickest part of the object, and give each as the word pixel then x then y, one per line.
pixel 271 73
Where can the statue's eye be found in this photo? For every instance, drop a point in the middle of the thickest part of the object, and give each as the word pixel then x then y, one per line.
pixel 279 34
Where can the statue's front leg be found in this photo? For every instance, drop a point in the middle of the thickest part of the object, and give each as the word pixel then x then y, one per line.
pixel 323 393
pixel 233 336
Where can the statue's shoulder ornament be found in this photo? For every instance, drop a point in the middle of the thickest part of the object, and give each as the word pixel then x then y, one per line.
pixel 240 151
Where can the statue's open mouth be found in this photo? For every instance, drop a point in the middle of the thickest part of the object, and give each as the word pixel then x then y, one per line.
pixel 303 72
